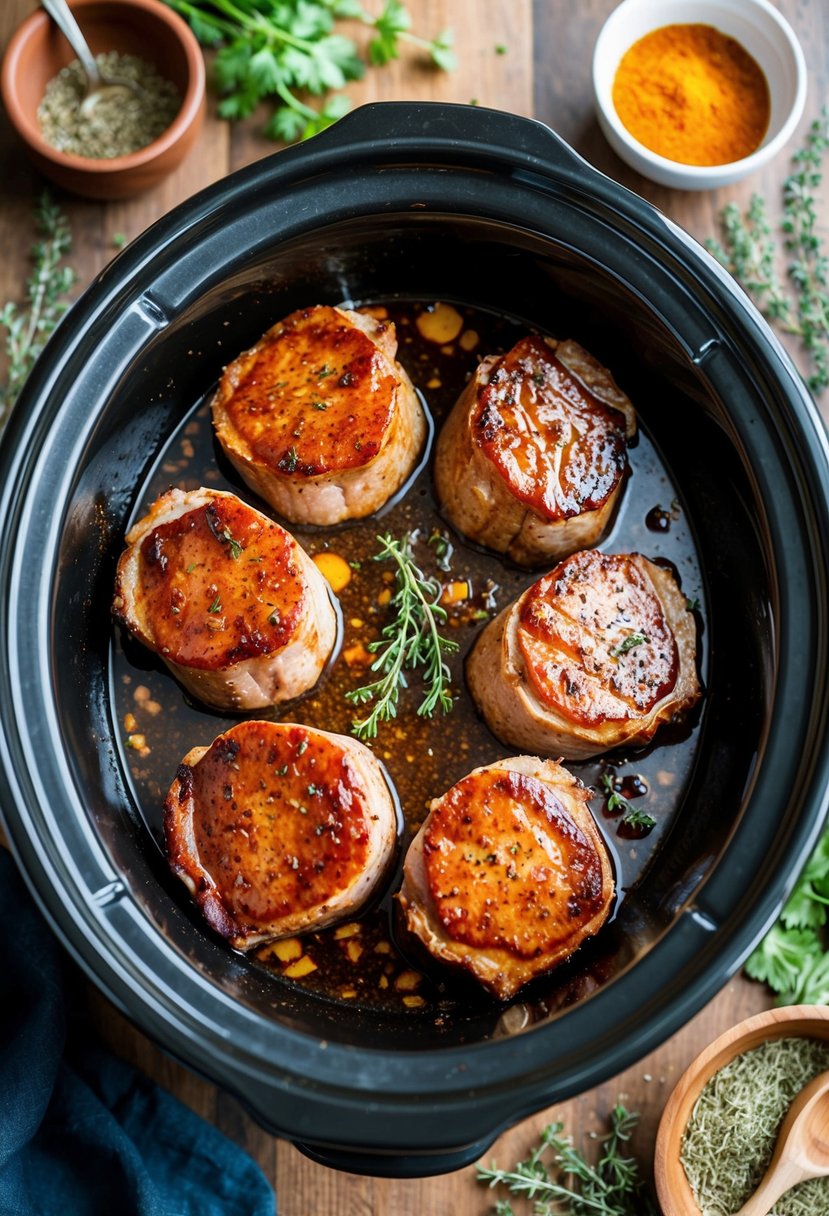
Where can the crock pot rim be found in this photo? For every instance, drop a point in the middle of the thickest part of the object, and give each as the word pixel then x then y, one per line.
pixel 451 1063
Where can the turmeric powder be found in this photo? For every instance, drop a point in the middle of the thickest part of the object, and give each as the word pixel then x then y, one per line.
pixel 692 94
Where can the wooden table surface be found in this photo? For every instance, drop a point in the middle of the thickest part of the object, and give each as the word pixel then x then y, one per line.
pixel 544 71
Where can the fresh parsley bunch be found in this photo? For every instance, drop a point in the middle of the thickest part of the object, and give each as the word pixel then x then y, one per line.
pixel 792 958
pixel 281 48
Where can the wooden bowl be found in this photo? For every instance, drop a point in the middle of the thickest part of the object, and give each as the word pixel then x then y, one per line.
pixel 146 28
pixel 792 1021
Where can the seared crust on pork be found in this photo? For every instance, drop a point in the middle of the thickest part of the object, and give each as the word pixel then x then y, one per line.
pixel 277 828
pixel 596 654
pixel 532 458
pixel 227 598
pixel 319 418
pixel 509 874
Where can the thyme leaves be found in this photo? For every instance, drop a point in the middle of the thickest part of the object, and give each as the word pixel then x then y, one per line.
pixel 411 640
pixel 557 1173
pixel 615 800
pixel 638 820
pixel 633 819
pixel 235 547
pixel 28 326
pixel 749 250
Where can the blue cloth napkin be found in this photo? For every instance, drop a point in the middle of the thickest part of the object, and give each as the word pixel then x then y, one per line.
pixel 82 1133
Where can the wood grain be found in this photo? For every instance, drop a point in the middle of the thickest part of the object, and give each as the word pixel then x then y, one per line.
pixel 543 70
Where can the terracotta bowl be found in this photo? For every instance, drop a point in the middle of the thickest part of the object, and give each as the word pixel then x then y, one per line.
pixel 147 28
pixel 792 1021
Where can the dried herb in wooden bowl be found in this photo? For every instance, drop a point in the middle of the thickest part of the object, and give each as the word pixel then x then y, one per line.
pixel 740 1110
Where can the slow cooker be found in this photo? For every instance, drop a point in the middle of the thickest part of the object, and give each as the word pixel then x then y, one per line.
pixel 415 201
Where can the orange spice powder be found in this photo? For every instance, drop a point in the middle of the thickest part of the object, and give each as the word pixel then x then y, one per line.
pixel 693 95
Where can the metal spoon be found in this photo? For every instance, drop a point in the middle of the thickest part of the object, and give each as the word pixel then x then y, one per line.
pixel 802 1149
pixel 98 85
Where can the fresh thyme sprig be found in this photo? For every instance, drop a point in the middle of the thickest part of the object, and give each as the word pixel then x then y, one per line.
pixel 633 817
pixel 808 269
pixel 27 326
pixel 615 800
pixel 569 1185
pixel 281 48
pixel 638 820
pixel 748 250
pixel 410 640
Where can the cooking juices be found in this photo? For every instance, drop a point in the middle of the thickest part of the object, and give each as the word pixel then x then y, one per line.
pixel 358 962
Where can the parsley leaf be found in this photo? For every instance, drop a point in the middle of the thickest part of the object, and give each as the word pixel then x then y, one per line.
pixel 779 958
pixel 813 982
pixel 208 31
pixel 285 124
pixel 806 908
pixel 265 73
pixel 442 51
pixel 279 49
pixel 232 64
pixel 793 958
pixel 393 21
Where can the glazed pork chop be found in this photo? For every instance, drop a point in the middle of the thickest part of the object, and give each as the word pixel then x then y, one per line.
pixel 509 874
pixel 227 598
pixel 319 418
pixel 276 828
pixel 595 654
pixel 532 458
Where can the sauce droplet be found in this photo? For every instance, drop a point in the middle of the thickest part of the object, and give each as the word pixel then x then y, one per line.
pixel 634 831
pixel 633 786
pixel 658 520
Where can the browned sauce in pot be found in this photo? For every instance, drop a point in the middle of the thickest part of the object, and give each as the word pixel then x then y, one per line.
pixel 359 962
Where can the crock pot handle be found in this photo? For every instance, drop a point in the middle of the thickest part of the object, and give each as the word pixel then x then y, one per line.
pixel 466 133
pixel 397 1165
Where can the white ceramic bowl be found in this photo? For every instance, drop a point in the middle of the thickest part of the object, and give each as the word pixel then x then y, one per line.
pixel 757 25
